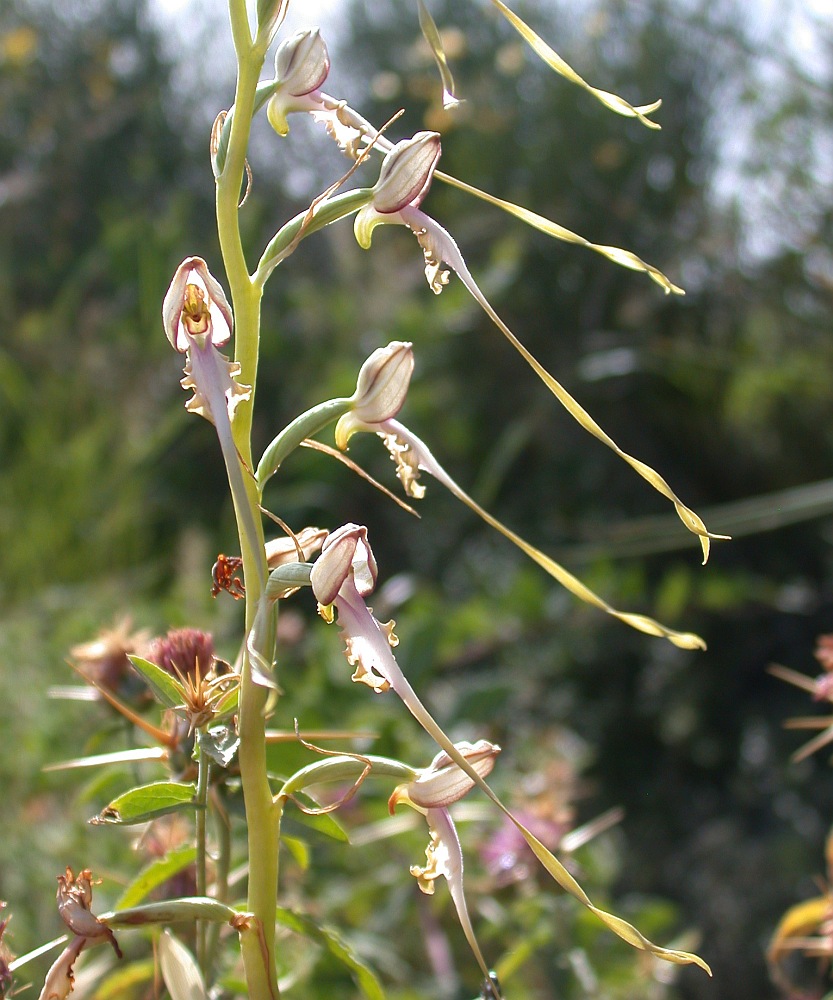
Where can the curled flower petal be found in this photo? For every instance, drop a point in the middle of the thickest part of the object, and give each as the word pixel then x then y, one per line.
pixel 60 979
pixel 406 172
pixel 444 857
pixel 554 61
pixel 302 62
pixel 346 560
pixel 381 389
pixel 301 67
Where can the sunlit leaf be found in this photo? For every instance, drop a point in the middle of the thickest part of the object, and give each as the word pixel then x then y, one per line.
pixel 124 979
pixel 117 757
pixel 164 687
pixel 147 802
pixel 180 970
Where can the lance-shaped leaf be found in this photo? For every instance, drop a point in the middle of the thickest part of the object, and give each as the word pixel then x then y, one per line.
pixel 554 61
pixel 147 802
pixel 180 970
pixel 337 947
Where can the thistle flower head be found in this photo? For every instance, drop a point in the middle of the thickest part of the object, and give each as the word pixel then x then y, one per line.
pixel 202 679
pixel 183 652
pixel 104 660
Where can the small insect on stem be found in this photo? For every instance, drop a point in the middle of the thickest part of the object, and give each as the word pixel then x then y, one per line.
pixel 223 577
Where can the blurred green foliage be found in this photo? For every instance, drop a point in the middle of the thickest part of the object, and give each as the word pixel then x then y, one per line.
pixel 112 500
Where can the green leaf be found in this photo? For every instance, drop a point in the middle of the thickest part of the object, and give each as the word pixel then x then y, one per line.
pixel 298 849
pixel 155 874
pixel 123 980
pixel 147 802
pixel 337 947
pixel 324 823
pixel 165 688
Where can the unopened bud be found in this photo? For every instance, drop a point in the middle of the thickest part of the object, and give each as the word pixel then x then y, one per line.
pixel 345 553
pixel 444 782
pixel 301 66
pixel 406 172
pixel 381 389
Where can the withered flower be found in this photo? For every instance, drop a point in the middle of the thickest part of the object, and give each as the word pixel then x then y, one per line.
pixel 75 897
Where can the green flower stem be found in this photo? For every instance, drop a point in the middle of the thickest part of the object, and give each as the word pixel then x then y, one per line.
pixel 222 863
pixel 203 765
pixel 261 815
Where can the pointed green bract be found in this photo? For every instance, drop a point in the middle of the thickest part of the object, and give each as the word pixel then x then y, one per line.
pixel 163 686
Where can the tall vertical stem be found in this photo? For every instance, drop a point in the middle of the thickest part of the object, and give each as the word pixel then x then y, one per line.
pixel 261 815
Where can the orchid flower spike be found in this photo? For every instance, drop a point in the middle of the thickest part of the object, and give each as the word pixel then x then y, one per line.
pixel 301 66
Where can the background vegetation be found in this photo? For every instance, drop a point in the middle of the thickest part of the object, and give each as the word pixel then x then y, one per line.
pixel 112 501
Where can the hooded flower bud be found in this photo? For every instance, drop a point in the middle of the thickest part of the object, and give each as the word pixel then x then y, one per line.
pixel 406 173
pixel 345 555
pixel 380 390
pixel 196 307
pixel 301 66
pixel 444 782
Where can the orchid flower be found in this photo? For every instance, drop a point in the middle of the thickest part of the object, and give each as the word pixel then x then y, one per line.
pixel 198 320
pixel 403 183
pixel 343 575
pixel 431 793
